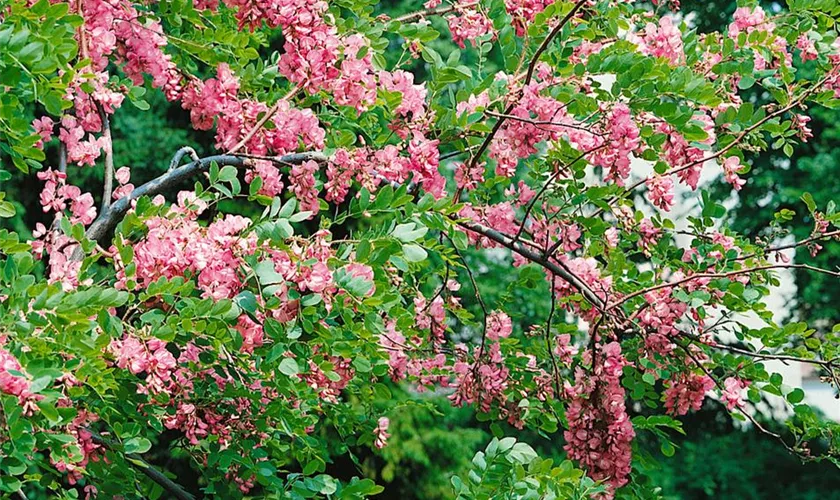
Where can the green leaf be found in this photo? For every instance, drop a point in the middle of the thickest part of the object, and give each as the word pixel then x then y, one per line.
pixel 796 396
pixel 414 253
pixel 289 367
pixel 137 445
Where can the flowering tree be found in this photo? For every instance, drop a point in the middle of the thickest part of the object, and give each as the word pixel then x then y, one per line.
pixel 249 310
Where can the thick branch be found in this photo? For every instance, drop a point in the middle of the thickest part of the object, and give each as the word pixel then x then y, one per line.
pixel 179 155
pixel 555 268
pixel 174 489
pixel 108 187
pixel 110 217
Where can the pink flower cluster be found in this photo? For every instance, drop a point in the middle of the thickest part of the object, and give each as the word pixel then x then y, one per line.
pixel 679 154
pixel 664 40
pixel 685 392
pixel 115 27
pixel 328 389
pixel 749 20
pixel 124 187
pixel 499 325
pixel 15 385
pixel 218 98
pixel 732 394
pixel 587 270
pixel 57 196
pixel 524 12
pixel 90 450
pixel 731 167
pixel 380 433
pixel 483 382
pixel 150 357
pixel 600 432
pixel 469 24
pixel 623 139
pixel 518 138
pixel 661 191
pixel 178 243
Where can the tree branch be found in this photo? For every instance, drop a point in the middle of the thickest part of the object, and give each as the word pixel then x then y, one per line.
pixel 108 183
pixel 148 470
pixel 267 116
pixel 721 275
pixel 179 155
pixel 110 217
pixel 536 258
pixel 557 29
pixel 544 45
pixel 439 11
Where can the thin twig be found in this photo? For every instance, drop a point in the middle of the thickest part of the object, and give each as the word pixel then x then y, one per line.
pixel 720 275
pixel 528 76
pixel 557 268
pixel 438 11
pixel 544 45
pixel 267 116
pixel 770 250
pixel 541 123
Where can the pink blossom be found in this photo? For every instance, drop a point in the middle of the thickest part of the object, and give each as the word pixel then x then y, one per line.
pixel 499 325
pixel 600 432
pixel 799 123
pixel 731 166
pixel 123 174
pixel 380 433
pixel 686 392
pixel 733 393
pixel 660 191
pixel 44 127
pixel 664 40
pixel 469 25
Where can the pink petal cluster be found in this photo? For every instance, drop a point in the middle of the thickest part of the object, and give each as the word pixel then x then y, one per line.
pixel 807 48
pixel 499 325
pixel 469 24
pixel 235 117
pixel 15 384
pixel 600 432
pixel 524 12
pixel 177 243
pixel 731 167
pixel 685 392
pixel 124 187
pixel 732 394
pixel 623 139
pixel 661 191
pixel 748 20
pixel 380 433
pixel 663 40
pixel 115 27
pixel 44 127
